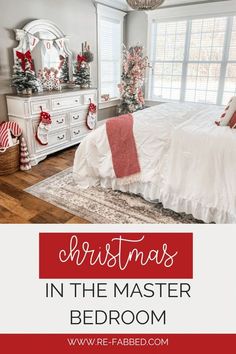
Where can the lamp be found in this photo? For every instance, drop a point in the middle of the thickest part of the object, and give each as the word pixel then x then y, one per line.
pixel 145 4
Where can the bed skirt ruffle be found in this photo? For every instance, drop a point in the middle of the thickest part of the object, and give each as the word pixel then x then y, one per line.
pixel 152 193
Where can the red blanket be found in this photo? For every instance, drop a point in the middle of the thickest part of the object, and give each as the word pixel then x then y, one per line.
pixel 122 144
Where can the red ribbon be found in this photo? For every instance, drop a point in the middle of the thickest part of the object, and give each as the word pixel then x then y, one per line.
pixel 80 58
pixel 24 57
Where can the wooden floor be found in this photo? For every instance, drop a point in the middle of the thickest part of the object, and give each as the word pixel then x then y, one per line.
pixel 19 207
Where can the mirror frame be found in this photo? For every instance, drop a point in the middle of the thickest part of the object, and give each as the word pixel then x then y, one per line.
pixel 43 25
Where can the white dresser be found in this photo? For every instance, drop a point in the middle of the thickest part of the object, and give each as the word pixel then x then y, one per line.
pixel 68 109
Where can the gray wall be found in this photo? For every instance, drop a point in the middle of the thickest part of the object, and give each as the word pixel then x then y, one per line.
pixel 76 18
pixel 136 28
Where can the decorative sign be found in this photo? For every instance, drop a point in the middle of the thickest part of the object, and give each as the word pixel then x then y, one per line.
pixel 60 43
pixel 33 41
pixel 48 44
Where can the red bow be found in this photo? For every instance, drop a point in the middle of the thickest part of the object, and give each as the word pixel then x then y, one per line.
pixel 23 57
pixel 80 58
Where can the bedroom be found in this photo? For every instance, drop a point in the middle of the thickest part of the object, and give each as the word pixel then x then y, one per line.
pixel 181 161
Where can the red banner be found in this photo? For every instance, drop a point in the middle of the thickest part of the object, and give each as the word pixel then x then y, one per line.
pixel 118 343
pixel 116 256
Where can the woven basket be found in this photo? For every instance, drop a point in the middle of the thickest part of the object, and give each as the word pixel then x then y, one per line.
pixel 10 160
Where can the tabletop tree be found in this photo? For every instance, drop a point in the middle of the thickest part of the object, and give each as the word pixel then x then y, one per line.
pixel 18 76
pixel 31 79
pixel 64 70
pixel 82 72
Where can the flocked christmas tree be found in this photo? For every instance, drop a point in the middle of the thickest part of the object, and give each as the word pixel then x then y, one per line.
pixel 132 80
pixel 18 76
pixel 24 78
pixel 82 67
pixel 24 156
pixel 31 79
pixel 82 73
pixel 64 70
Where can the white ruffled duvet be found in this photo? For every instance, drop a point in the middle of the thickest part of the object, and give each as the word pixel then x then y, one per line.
pixel 187 162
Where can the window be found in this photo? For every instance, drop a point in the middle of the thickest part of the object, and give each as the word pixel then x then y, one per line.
pixel 110 59
pixel 110 31
pixel 194 60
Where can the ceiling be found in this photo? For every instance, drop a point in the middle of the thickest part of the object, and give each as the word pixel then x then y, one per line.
pixel 122 4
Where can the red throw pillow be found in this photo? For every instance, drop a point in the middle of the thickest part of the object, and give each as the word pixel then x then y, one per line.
pixel 232 122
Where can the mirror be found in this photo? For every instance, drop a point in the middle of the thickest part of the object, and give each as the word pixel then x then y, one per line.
pixel 47 47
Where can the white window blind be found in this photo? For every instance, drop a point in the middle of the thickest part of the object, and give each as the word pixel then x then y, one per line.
pixel 110 56
pixel 194 60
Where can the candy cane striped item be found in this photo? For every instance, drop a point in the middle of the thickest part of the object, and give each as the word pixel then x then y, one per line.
pixel 228 113
pixel 7 131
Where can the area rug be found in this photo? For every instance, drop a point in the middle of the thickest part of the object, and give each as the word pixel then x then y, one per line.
pixel 103 206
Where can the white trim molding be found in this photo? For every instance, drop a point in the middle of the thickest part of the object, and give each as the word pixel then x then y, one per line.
pixel 105 12
pixel 111 103
pixel 115 4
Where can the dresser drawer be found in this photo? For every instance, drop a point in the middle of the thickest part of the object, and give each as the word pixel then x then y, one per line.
pixel 54 139
pixel 66 102
pixel 79 131
pixel 78 116
pixel 59 121
pixel 88 97
pixel 36 106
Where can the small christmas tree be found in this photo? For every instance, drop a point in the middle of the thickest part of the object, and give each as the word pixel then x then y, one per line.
pixel 64 70
pixel 24 156
pixel 82 68
pixel 18 76
pixel 134 66
pixel 82 74
pixel 24 79
pixel 31 79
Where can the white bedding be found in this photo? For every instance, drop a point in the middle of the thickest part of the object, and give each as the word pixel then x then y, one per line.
pixel 187 162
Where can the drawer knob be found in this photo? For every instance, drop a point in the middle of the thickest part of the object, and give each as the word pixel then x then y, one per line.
pixel 60 121
pixel 58 103
pixel 61 137
pixel 76 101
pixel 76 132
pixel 76 117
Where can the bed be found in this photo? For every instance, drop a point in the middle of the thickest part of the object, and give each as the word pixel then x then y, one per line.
pixel 187 162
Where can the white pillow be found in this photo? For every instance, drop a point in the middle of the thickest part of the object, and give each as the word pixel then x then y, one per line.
pixel 228 112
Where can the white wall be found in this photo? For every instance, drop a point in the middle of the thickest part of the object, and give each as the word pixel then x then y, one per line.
pixel 76 18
